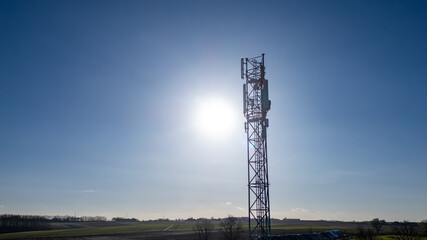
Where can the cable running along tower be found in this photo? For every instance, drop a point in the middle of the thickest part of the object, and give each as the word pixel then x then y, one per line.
pixel 255 107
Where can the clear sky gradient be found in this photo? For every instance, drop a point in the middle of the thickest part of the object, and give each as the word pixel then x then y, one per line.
pixel 98 101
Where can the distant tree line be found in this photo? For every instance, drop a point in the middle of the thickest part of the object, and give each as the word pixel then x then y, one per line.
pixel 18 223
pixel 77 219
pixel 120 219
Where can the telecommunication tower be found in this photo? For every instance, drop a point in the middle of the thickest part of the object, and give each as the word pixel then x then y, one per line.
pixel 256 104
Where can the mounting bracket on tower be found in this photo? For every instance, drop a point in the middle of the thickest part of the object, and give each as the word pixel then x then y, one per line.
pixel 256 104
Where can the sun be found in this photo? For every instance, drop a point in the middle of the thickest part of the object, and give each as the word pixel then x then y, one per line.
pixel 215 118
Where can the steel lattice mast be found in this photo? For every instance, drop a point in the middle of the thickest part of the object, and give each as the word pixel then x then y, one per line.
pixel 255 107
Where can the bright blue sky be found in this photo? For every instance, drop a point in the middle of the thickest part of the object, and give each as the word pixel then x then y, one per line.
pixel 98 101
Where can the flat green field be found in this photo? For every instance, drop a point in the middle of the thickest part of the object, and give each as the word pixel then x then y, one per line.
pixel 305 228
pixel 99 230
pixel 390 237
pixel 111 228
pixel 167 228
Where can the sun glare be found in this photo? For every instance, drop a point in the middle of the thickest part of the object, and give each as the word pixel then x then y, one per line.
pixel 215 118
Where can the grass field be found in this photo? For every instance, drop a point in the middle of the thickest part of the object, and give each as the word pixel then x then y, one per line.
pixel 390 237
pixel 87 229
pixel 111 228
